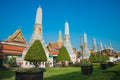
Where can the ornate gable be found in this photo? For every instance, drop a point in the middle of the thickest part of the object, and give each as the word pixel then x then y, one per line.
pixel 17 37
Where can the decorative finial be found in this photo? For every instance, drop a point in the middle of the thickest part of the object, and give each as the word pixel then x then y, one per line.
pixel 81 42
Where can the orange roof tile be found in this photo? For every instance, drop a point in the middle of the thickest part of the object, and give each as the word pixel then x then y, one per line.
pixel 14 48
pixel 54 45
pixel 54 52
pixel 11 52
pixel 17 37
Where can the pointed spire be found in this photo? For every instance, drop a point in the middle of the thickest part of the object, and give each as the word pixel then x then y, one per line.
pixel 66 28
pixel 39 16
pixel 81 41
pixel 60 36
pixel 101 46
pixel 85 38
pixel 110 45
pixel 94 45
pixel 105 46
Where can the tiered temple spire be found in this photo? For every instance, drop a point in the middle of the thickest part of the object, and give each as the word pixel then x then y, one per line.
pixel 67 35
pixel 105 46
pixel 67 43
pixel 86 52
pixel 94 45
pixel 60 36
pixel 66 28
pixel 60 41
pixel 110 45
pixel 37 34
pixel 39 16
pixel 101 46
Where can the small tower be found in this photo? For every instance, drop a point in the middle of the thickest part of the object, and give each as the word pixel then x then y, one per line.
pixel 86 52
pixel 110 46
pixel 94 45
pixel 37 33
pixel 39 16
pixel 60 41
pixel 67 43
pixel 101 46
pixel 67 35
pixel 81 46
pixel 105 46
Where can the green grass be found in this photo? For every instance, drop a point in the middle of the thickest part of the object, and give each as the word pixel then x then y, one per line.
pixel 7 75
pixel 67 73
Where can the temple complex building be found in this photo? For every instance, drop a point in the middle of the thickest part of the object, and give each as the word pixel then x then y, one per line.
pixel 14 46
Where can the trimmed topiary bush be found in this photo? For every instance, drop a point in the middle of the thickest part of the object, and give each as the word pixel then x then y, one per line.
pixel 36 53
pixel 98 57
pixel 63 55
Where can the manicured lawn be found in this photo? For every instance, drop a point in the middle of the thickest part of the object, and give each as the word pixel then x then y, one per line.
pixel 67 73
pixel 7 75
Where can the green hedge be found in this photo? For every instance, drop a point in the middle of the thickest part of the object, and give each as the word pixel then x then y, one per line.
pixel 98 57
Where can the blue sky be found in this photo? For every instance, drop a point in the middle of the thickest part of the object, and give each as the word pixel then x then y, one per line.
pixel 98 18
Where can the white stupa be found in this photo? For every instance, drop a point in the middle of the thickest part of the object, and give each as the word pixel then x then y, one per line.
pixel 37 35
pixel 94 45
pixel 67 43
pixel 101 46
pixel 86 52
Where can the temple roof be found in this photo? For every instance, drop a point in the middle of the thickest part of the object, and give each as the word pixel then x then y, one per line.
pixel 17 37
pixel 53 48
pixel 54 52
pixel 7 52
pixel 54 45
pixel 12 47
